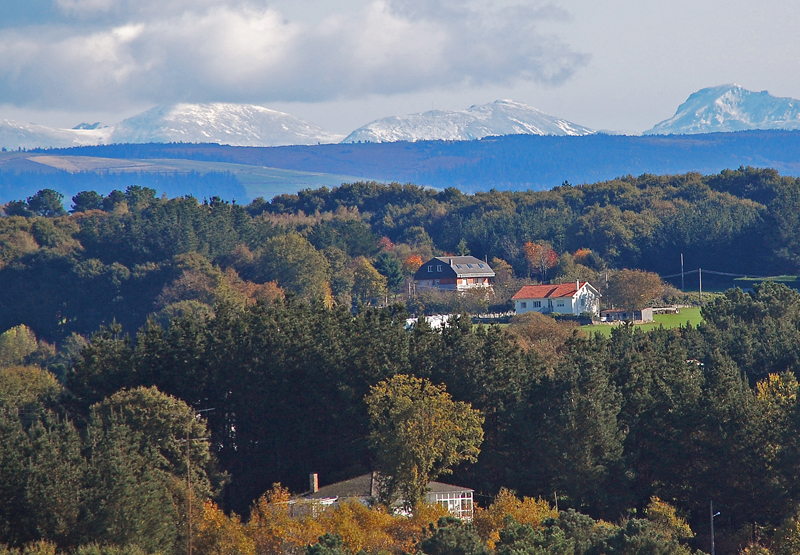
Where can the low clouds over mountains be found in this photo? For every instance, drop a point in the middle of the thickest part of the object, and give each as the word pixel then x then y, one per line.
pixel 90 54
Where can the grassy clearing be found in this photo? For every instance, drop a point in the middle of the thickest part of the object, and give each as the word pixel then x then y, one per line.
pixel 746 281
pixel 690 315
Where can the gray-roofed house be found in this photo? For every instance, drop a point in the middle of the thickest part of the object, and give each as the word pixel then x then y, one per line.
pixel 454 273
pixel 365 489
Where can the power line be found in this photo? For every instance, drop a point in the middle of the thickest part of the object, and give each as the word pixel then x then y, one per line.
pixel 715 273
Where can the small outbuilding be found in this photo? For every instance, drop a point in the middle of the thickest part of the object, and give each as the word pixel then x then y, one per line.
pixel 622 315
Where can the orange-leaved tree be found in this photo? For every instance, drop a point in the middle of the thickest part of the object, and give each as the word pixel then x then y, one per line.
pixel 541 257
pixel 412 263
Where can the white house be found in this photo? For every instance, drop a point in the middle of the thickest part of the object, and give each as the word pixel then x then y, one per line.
pixel 564 298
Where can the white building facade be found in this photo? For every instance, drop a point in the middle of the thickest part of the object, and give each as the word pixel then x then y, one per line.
pixel 574 298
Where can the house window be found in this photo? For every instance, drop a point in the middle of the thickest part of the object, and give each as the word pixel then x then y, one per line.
pixel 537 304
pixel 439 268
pixel 459 503
pixel 523 304
pixel 430 268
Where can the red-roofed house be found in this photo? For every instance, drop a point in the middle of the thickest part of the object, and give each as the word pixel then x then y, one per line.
pixel 564 298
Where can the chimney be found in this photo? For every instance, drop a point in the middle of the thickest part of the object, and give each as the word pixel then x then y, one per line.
pixel 577 284
pixel 313 482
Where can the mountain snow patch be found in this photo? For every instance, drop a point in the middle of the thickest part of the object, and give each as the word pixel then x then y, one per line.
pixel 224 123
pixel 730 108
pixel 502 117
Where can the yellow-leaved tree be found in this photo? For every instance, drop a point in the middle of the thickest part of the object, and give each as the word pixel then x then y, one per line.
pixel 419 433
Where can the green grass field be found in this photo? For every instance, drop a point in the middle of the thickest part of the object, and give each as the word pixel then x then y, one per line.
pixel 691 315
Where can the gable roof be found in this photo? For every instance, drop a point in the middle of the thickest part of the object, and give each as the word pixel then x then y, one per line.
pixel 365 486
pixel 455 266
pixel 561 290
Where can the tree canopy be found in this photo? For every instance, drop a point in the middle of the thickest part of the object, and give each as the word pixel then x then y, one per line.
pixel 419 433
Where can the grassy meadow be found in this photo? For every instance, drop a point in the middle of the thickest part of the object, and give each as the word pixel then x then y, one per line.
pixel 690 315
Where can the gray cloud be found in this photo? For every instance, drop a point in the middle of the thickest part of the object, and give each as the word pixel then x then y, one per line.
pixel 113 53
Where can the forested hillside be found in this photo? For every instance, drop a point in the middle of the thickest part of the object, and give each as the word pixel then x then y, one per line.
pixel 688 415
pixel 126 255
pixel 277 318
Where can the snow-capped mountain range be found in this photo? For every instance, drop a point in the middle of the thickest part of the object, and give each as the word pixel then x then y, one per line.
pixel 730 108
pixel 16 134
pixel 232 124
pixel 502 117
pixel 715 109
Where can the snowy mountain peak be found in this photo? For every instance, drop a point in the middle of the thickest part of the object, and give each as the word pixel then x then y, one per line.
pixel 232 124
pixel 225 123
pixel 730 108
pixel 502 117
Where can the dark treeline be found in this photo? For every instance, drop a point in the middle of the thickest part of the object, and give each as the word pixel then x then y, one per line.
pixel 688 415
pixel 509 162
pixel 736 221
pixel 29 178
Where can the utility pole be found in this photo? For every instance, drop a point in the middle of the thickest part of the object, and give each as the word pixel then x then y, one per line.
pixel 713 514
pixel 189 489
pixel 189 441
pixel 700 273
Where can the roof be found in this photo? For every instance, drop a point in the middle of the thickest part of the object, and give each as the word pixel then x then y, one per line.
pixel 624 310
pixel 455 266
pixel 360 486
pixel 562 290
pixel 363 486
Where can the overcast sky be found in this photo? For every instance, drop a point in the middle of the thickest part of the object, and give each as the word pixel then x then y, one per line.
pixel 614 64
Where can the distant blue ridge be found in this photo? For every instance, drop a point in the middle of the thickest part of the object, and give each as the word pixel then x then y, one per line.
pixel 512 162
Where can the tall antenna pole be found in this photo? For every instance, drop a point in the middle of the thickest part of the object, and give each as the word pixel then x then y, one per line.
pixel 700 273
pixel 683 285
pixel 189 489
pixel 713 515
pixel 712 528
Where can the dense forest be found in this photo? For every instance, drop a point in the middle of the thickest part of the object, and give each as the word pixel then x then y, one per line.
pixel 686 415
pixel 274 321
pixel 126 255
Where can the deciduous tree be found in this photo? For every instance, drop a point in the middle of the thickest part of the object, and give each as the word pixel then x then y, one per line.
pixel 633 289
pixel 419 433
pixel 541 257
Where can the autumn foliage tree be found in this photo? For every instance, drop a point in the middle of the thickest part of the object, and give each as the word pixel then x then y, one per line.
pixel 633 289
pixel 541 257
pixel 412 263
pixel 278 527
pixel 543 334
pixel 419 433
